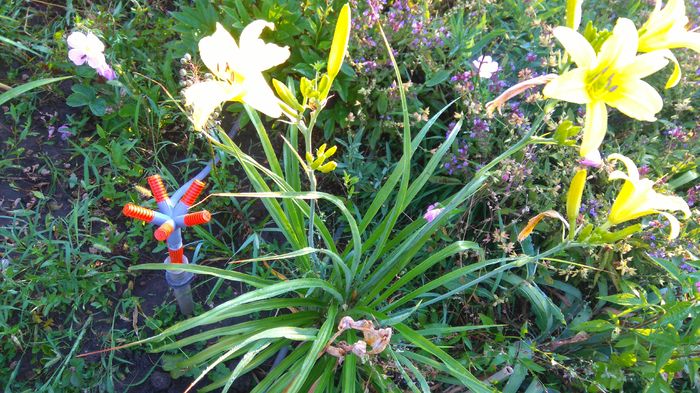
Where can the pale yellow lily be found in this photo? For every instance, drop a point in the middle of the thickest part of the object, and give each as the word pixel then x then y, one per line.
pixel 610 77
pixel 238 72
pixel 666 29
pixel 637 198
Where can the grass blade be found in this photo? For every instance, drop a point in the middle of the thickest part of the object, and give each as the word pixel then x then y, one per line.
pixel 454 367
pixel 21 89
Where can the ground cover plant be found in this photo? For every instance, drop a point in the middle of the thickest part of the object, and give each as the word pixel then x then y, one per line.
pixel 406 196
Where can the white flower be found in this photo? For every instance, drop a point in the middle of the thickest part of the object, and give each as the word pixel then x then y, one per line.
pixel 485 66
pixel 86 48
pixel 238 72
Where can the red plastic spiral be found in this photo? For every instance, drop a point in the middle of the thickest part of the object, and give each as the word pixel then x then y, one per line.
pixel 157 187
pixel 138 212
pixel 176 255
pixel 164 231
pixel 197 218
pixel 193 192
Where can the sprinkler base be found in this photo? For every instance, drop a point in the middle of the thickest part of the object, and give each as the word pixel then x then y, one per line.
pixel 179 281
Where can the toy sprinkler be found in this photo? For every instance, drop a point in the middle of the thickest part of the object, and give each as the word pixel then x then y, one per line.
pixel 171 217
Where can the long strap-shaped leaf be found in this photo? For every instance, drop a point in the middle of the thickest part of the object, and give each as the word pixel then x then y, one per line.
pixel 207 270
pixel 516 262
pixel 357 242
pixel 273 376
pixel 226 308
pixel 21 89
pixel 429 262
pixel 388 187
pixel 324 334
pixel 337 260
pixel 453 366
pixel 294 319
pixel 387 226
pixel 291 333
pixel 403 254
pixel 260 185
pixel 261 358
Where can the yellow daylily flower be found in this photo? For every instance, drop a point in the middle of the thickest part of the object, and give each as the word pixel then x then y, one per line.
pixel 666 29
pixel 637 198
pixel 611 77
pixel 238 72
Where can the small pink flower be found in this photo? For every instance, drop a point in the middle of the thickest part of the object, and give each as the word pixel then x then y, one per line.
pixel 697 285
pixel 432 212
pixel 106 72
pixel 86 48
pixel 485 66
pixel 65 132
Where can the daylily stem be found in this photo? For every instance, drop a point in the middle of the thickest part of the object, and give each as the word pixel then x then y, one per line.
pixel 307 132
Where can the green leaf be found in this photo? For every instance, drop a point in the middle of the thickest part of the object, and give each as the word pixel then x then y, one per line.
pixel 207 270
pixel 274 375
pixel 669 266
pixel 422 267
pixel 438 78
pixel 98 107
pixel 594 326
pixel 290 333
pixel 324 334
pixel 21 89
pixel 454 367
pixel 623 299
pixel 76 100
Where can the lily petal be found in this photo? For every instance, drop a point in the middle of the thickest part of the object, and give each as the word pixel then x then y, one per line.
pixel 675 225
pixel 646 64
pixel 676 75
pixel 621 47
pixel 266 55
pixel 632 171
pixel 689 40
pixel 220 53
pixel 259 95
pixel 205 97
pixel 570 87
pixel 636 99
pixel 576 46
pixel 595 127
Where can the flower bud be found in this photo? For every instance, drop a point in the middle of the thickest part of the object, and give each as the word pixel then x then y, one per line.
pixel 339 46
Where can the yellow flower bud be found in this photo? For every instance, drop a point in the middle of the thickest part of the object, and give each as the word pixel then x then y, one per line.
pixel 573 197
pixel 341 36
pixel 286 95
pixel 328 167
